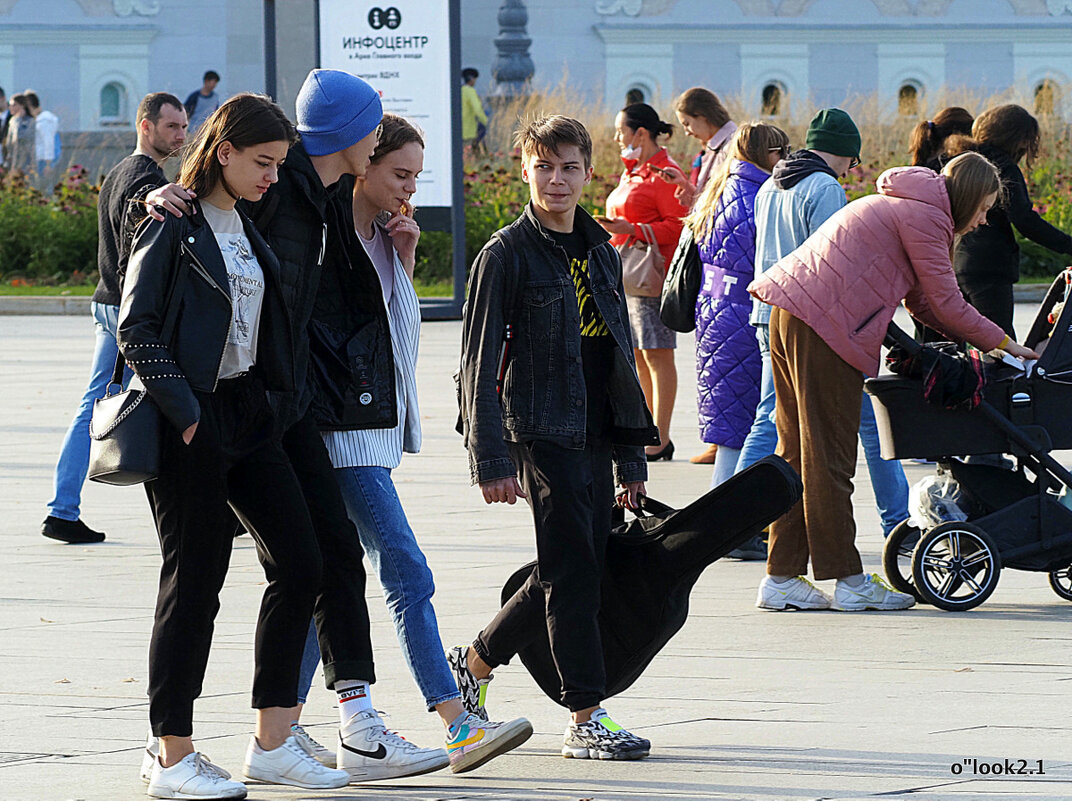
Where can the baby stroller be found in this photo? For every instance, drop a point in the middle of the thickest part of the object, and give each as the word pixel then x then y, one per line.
pixel 1016 515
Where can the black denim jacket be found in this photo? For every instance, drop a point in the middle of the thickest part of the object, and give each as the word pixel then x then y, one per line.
pixel 543 393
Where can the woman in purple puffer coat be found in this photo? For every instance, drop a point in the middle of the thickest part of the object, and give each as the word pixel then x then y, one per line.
pixel 727 355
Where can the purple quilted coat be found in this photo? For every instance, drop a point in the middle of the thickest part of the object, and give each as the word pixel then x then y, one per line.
pixel 727 355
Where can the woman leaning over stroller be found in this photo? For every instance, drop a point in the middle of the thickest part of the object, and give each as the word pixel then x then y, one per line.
pixel 833 299
pixel 208 378
pixel 727 354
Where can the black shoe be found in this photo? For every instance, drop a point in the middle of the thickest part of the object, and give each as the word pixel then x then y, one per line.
pixel 72 531
pixel 754 550
pixel 667 453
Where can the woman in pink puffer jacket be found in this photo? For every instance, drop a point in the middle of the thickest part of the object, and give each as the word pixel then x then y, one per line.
pixel 834 296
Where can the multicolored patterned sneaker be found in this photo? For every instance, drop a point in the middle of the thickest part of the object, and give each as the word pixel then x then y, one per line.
pixel 475 741
pixel 602 738
pixel 474 691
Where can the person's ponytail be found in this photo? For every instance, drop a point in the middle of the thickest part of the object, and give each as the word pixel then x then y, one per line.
pixel 641 115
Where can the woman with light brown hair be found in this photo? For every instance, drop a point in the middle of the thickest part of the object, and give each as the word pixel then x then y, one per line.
pixel 929 137
pixel 703 117
pixel 727 352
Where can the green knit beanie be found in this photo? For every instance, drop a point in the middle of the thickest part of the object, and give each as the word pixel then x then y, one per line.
pixel 833 131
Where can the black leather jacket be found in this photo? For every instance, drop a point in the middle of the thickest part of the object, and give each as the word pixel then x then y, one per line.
pixel 184 249
pixel 543 396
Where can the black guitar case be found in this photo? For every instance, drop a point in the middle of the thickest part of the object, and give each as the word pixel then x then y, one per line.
pixel 653 563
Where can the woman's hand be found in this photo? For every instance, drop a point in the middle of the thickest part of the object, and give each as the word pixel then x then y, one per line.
pixel 685 192
pixel 1019 351
pixel 188 434
pixel 405 233
pixel 502 490
pixel 618 225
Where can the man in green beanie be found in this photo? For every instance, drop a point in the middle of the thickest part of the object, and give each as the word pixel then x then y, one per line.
pixel 802 193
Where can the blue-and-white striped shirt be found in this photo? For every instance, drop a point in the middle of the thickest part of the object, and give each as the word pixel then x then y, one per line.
pixel 383 447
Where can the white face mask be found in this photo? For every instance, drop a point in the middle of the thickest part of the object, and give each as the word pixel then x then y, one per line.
pixel 631 152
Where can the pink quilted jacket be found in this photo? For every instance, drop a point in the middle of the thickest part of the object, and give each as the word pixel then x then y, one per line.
pixel 847 279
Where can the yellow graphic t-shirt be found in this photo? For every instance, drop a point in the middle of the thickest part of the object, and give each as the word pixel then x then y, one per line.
pixel 592 324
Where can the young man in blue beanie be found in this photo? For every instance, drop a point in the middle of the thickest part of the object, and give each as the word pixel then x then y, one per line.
pixel 308 226
pixel 802 193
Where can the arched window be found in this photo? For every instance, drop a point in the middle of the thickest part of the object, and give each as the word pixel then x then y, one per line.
pixel 635 95
pixel 1046 96
pixel 773 99
pixel 908 100
pixel 113 104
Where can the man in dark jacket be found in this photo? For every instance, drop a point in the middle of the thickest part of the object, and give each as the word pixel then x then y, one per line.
pixel 305 224
pixel 550 394
pixel 161 124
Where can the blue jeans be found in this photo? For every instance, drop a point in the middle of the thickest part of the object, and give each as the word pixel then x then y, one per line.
pixel 763 438
pixel 74 454
pixel 887 477
pixel 373 506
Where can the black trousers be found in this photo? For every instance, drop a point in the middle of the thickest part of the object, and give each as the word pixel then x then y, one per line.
pixel 992 297
pixel 342 618
pixel 571 493
pixel 233 463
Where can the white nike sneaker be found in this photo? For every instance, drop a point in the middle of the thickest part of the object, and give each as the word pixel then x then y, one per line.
pixel 369 751
pixel 290 764
pixel 192 777
pixel 312 747
pixel 797 593
pixel 873 594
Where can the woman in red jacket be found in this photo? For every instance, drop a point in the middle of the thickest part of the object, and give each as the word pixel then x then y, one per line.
pixel 644 206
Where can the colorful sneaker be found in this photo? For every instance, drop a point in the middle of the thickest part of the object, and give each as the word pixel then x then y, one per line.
pixel 797 593
pixel 874 594
pixel 369 751
pixel 312 747
pixel 602 738
pixel 474 691
pixel 152 751
pixel 193 777
pixel 290 764
pixel 475 741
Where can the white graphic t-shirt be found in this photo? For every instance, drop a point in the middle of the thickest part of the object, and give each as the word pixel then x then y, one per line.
pixel 246 285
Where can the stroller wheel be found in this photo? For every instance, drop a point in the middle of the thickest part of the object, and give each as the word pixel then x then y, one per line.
pixel 956 566
pixel 897 558
pixel 1061 581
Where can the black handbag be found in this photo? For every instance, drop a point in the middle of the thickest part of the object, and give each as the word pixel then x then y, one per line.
pixel 677 305
pixel 126 427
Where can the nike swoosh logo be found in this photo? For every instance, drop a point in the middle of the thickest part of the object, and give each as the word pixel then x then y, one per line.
pixel 379 753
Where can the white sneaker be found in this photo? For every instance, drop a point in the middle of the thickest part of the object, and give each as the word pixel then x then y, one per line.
pixel 290 764
pixel 797 593
pixel 193 777
pixel 874 593
pixel 476 741
pixel 152 751
pixel 312 747
pixel 368 751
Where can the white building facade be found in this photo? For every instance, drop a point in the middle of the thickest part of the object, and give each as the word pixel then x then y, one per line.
pixel 787 52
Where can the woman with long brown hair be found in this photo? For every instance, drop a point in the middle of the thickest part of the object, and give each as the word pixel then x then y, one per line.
pixel 987 260
pixel 927 145
pixel 833 299
pixel 208 376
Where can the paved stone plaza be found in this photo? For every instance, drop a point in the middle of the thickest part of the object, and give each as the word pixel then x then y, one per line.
pixel 742 704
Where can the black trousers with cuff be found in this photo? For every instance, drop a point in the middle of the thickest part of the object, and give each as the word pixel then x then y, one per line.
pixel 571 493
pixel 233 463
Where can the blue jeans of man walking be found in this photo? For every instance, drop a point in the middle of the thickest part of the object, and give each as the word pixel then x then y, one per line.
pixel 374 507
pixel 73 464
pixel 888 480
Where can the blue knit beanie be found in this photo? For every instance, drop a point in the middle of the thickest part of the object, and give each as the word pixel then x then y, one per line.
pixel 335 110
